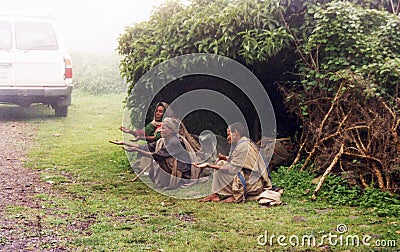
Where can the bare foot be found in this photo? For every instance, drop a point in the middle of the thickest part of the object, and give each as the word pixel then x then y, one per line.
pixel 230 199
pixel 212 197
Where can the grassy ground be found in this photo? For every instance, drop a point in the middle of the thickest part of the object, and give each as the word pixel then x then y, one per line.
pixel 95 192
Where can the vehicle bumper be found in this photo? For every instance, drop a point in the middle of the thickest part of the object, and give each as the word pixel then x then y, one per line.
pixel 24 96
pixel 35 91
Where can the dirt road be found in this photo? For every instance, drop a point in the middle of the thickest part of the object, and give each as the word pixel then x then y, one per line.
pixel 18 186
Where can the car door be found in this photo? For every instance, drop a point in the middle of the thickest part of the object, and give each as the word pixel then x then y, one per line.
pixel 7 59
pixel 39 61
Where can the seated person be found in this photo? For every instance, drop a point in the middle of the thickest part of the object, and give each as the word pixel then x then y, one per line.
pixel 152 131
pixel 173 155
pixel 241 176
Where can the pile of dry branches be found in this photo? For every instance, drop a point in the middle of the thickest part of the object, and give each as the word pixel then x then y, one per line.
pixel 345 130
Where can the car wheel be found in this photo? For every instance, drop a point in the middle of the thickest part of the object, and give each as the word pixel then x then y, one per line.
pixel 61 111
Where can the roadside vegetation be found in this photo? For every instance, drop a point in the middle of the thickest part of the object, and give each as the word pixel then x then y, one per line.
pixel 333 65
pixel 93 190
pixel 98 74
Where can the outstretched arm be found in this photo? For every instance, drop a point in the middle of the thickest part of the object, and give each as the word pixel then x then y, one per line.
pixel 144 153
pixel 121 142
pixel 222 157
pixel 126 130
pixel 213 166
pixel 137 133
pixel 150 138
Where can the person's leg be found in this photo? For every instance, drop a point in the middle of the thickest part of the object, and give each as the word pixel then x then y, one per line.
pixel 221 186
pixel 212 197
pixel 230 199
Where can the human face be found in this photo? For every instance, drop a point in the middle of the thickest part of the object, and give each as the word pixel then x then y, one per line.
pixel 228 136
pixel 158 114
pixel 165 131
pixel 233 136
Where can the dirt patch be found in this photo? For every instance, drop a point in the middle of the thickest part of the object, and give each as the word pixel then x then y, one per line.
pixel 18 186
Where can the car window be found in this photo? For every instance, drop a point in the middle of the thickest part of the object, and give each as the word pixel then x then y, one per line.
pixel 35 36
pixel 5 35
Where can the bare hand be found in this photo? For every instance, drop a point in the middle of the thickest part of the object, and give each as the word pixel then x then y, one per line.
pixel 203 165
pixel 222 157
pixel 117 142
pixel 130 149
pixel 135 140
pixel 124 129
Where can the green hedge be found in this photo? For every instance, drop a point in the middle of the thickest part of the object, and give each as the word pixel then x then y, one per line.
pixel 97 73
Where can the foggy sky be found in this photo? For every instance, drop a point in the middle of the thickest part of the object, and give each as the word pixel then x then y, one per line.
pixel 88 25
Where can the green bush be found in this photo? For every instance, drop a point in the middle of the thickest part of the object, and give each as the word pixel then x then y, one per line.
pixel 98 74
pixel 383 203
pixel 295 183
pixel 336 191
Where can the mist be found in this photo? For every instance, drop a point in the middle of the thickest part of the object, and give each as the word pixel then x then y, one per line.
pixel 87 25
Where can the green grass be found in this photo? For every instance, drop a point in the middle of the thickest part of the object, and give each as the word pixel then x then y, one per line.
pixel 93 188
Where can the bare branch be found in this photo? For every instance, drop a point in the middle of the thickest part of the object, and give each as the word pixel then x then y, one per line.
pixel 326 173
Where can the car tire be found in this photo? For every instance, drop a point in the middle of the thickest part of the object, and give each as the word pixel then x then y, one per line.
pixel 61 111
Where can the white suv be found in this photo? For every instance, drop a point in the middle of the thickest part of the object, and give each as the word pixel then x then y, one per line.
pixel 35 66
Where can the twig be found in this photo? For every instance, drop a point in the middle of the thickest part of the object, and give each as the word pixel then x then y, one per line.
pixel 295 38
pixel 395 10
pixel 363 181
pixel 141 172
pixel 320 129
pixel 298 156
pixel 328 170
pixel 379 176
pixel 363 156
